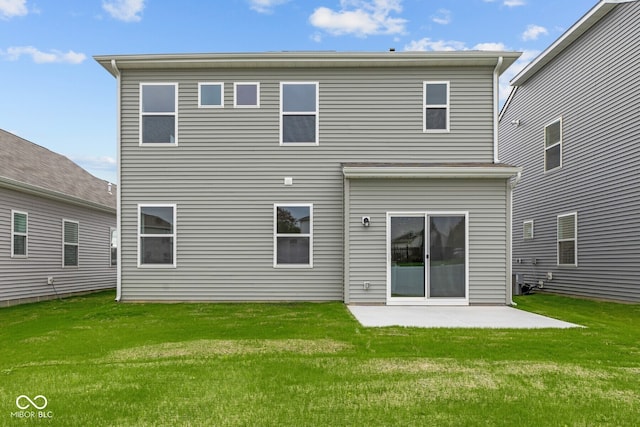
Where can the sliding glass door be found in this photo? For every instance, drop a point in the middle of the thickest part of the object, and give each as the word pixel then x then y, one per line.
pixel 427 259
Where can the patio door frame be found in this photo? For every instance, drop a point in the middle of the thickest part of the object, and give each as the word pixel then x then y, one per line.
pixel 427 300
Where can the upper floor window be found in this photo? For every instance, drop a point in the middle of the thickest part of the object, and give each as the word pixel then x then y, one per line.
pixel 70 243
pixel 210 95
pixel 436 106
pixel 158 113
pixel 246 94
pixel 19 230
pixel 553 145
pixel 157 235
pixel 293 235
pixel 568 239
pixel 299 113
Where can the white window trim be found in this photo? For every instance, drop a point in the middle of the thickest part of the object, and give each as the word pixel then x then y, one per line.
pixel 524 225
pixel 301 113
pixel 64 243
pixel 25 234
pixel 174 235
pixel 235 94
pixel 427 300
pixel 111 230
pixel 559 119
pixel 200 84
pixel 276 235
pixel 575 239
pixel 447 106
pixel 142 114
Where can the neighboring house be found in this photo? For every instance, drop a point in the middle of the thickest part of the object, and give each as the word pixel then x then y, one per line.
pixel 294 175
pixel 573 123
pixel 57 225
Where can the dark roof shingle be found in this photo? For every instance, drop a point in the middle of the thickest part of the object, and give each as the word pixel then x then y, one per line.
pixel 36 166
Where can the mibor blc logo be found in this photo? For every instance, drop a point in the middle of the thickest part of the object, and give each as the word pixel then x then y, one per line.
pixel 31 407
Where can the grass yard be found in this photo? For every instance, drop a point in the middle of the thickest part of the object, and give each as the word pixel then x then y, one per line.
pixel 99 363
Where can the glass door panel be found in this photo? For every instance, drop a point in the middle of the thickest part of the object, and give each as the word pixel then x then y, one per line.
pixel 447 250
pixel 407 256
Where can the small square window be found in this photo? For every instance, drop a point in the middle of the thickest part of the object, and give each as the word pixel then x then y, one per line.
pixel 247 94
pixel 210 95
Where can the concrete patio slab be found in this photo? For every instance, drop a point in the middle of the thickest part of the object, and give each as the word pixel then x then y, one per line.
pixel 499 317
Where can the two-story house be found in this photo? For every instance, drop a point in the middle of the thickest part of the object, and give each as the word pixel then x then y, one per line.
pixel 57 225
pixel 362 177
pixel 573 123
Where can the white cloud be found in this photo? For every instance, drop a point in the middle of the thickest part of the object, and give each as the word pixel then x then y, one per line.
pixel 11 8
pixel 426 44
pixel 514 3
pixel 511 72
pixel 533 32
pixel 39 57
pixel 124 10
pixel 360 17
pixel 490 46
pixel 443 17
pixel 265 6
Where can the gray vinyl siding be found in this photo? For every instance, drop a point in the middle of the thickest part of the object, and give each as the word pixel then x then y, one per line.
pixel 25 279
pixel 594 87
pixel 485 200
pixel 228 169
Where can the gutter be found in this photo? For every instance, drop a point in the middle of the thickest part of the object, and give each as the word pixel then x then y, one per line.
pixel 512 185
pixel 116 73
pixel 53 195
pixel 496 101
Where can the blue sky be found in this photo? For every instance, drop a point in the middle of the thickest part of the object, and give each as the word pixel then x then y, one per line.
pixel 54 94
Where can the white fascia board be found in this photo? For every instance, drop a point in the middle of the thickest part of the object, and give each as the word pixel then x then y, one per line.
pixel 354 172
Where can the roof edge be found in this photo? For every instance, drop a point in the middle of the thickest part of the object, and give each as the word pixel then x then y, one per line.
pixel 374 171
pixel 52 195
pixel 565 40
pixel 308 59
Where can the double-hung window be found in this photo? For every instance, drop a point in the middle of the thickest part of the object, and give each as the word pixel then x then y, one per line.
pixel 246 95
pixel 159 113
pixel 293 235
pixel 157 235
pixel 70 243
pixel 568 239
pixel 113 235
pixel 210 95
pixel 436 106
pixel 553 145
pixel 19 234
pixel 527 230
pixel 299 113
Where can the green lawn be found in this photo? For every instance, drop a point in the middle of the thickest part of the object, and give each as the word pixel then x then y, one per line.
pixel 102 363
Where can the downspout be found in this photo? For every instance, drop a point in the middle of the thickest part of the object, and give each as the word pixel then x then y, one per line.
pixel 119 195
pixel 496 102
pixel 512 185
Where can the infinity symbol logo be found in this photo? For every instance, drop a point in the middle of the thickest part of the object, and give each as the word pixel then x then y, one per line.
pixel 31 402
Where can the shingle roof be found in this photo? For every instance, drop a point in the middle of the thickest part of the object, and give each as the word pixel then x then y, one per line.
pixel 28 165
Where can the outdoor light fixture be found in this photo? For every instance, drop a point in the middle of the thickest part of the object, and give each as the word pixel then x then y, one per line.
pixel 366 221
